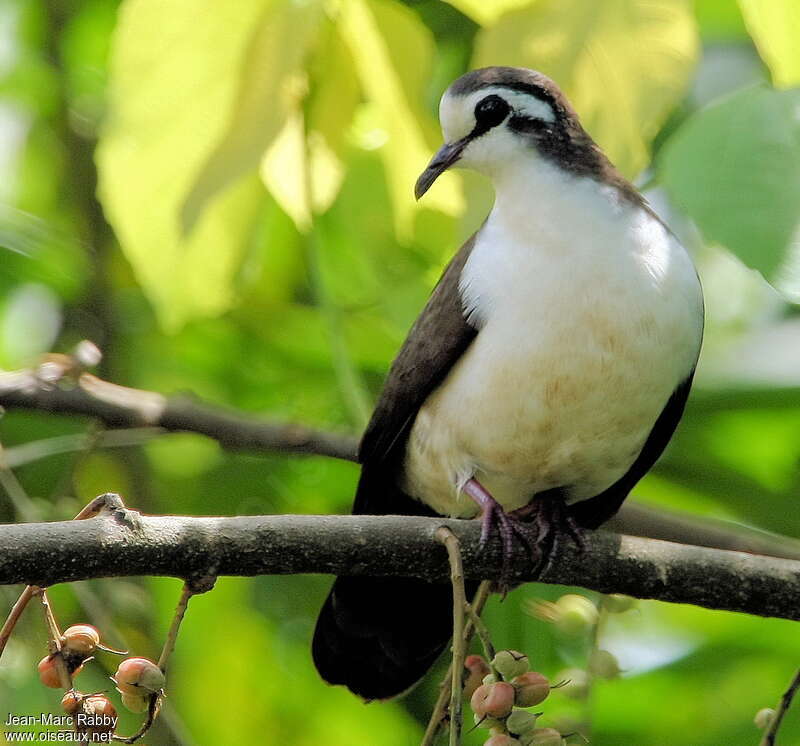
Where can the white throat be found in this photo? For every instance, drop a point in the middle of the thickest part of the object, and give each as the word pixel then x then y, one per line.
pixel 553 232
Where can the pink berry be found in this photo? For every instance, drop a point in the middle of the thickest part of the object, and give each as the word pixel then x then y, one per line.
pixel 138 676
pixel 530 689
pixel 493 700
pixel 48 672
pixel 477 668
pixel 80 639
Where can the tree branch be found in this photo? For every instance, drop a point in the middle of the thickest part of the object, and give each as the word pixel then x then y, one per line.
pixel 119 406
pixel 123 407
pixel 123 542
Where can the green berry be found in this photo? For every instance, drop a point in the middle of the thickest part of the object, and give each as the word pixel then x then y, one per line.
pixel 510 663
pixel 575 615
pixel 520 722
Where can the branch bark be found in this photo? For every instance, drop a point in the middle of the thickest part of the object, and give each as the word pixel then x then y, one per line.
pixel 123 542
pixel 122 407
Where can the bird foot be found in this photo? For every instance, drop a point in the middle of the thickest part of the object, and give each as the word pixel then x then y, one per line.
pixel 540 526
pixel 553 521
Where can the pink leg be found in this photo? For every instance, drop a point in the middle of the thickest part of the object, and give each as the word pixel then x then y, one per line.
pixel 492 513
pixel 538 525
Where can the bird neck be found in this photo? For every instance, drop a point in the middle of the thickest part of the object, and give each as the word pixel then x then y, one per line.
pixel 533 194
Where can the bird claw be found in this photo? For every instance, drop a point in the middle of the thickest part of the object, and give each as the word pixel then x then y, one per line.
pixel 538 525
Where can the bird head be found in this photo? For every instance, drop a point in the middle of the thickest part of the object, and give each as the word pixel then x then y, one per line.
pixel 494 116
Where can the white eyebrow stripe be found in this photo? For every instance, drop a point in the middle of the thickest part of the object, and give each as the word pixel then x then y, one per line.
pixel 523 104
pixel 458 120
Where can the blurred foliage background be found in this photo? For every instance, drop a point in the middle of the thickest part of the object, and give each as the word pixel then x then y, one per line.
pixel 220 196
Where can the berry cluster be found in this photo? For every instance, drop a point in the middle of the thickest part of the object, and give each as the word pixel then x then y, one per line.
pixel 139 681
pixel 499 693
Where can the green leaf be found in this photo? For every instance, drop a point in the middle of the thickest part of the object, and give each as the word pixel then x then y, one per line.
pixel 735 169
pixel 174 80
pixel 486 13
pixel 720 20
pixel 775 28
pixel 271 83
pixel 311 146
pixel 393 54
pixel 623 64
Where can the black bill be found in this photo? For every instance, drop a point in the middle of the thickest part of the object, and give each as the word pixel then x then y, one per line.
pixel 445 157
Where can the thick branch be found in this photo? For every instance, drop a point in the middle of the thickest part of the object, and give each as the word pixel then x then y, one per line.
pixel 126 543
pixel 122 407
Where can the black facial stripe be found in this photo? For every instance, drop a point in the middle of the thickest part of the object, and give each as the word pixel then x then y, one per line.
pixel 529 89
pixel 521 123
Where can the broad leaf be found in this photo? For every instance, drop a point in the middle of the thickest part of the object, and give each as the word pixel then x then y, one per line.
pixel 486 13
pixel 393 54
pixel 624 64
pixel 270 84
pixel 735 168
pixel 311 147
pixel 775 28
pixel 175 78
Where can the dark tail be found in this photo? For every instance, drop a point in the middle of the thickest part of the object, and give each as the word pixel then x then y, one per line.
pixel 379 636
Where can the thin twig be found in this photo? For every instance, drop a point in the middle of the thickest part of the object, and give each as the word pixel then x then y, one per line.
pixel 448 538
pixel 172 635
pixel 786 700
pixel 486 640
pixel 54 641
pixel 14 615
pixel 440 708
pixel 36 450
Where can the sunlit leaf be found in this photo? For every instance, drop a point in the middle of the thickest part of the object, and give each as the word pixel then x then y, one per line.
pixel 487 12
pixel 623 64
pixel 270 85
pixel 284 170
pixel 719 20
pixel 735 168
pixel 175 78
pixel 393 50
pixel 775 28
pixel 305 159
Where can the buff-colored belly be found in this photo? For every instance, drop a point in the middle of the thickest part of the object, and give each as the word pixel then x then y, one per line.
pixel 532 409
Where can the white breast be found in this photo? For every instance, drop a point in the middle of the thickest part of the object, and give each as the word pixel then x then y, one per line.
pixel 590 315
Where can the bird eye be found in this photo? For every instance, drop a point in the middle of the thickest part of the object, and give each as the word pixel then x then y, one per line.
pixel 490 111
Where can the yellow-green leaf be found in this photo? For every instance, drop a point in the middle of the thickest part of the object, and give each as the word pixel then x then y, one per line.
pixel 174 79
pixel 623 63
pixel 393 53
pixel 270 85
pixel 289 161
pixel 486 12
pixel 775 28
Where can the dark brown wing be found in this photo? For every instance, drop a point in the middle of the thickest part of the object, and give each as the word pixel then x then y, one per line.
pixel 378 636
pixel 437 340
